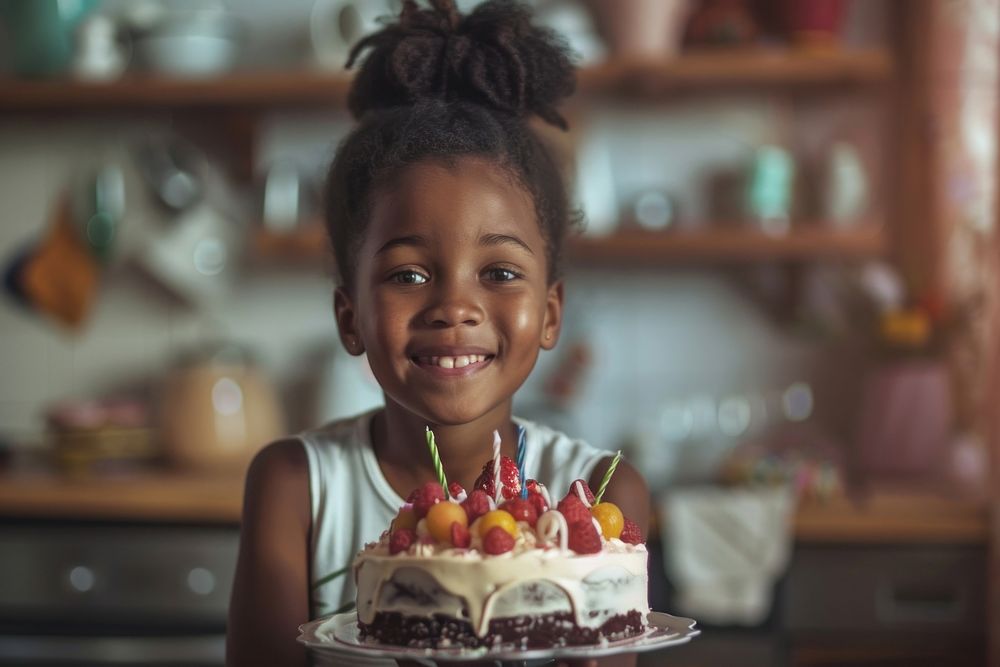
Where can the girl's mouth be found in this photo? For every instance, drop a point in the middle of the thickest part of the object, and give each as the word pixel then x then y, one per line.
pixel 457 365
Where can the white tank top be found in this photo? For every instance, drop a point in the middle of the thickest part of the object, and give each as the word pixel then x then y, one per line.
pixel 352 503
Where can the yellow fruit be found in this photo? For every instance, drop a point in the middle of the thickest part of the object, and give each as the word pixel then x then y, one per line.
pixel 441 516
pixel 495 519
pixel 610 517
pixel 405 519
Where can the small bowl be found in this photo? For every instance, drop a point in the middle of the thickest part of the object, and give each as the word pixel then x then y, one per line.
pixel 187 55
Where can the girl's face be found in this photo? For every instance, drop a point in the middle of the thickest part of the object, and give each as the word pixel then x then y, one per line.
pixel 451 299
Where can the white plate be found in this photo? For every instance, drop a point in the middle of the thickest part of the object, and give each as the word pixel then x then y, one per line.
pixel 339 635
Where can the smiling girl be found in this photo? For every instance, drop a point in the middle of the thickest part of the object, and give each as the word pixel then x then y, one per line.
pixel 447 216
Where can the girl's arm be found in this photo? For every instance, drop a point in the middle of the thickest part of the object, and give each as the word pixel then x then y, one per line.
pixel 271 588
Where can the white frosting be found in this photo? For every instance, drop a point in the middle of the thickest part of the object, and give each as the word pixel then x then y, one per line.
pixel 464 583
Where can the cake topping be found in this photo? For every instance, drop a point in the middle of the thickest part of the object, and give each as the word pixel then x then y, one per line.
pixel 522 510
pixel 573 509
pixel 510 483
pixel 583 537
pixel 497 519
pixel 476 505
pixel 610 518
pixel 583 492
pixel 460 537
pixel 631 533
pixel 442 516
pixel 401 540
pixel 497 541
pixel 423 498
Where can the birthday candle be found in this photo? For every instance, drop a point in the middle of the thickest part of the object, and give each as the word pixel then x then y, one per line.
pixel 607 477
pixel 436 457
pixel 496 466
pixel 520 460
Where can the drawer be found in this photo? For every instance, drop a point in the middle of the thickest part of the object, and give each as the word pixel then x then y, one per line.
pixel 887 589
pixel 92 572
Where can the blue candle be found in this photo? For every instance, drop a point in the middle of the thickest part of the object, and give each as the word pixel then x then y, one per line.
pixel 520 460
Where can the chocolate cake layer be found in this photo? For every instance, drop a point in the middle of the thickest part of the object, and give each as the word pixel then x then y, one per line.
pixel 524 632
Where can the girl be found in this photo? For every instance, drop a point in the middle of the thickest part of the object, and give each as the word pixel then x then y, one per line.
pixel 447 217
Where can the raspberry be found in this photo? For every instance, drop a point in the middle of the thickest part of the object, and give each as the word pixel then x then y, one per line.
pixel 401 540
pixel 460 536
pixel 429 494
pixel 508 477
pixel 497 541
pixel 522 510
pixel 476 505
pixel 631 533
pixel 586 490
pixel 538 501
pixel 573 509
pixel 455 489
pixel 583 537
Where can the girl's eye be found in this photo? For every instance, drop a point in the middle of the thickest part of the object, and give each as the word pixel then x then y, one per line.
pixel 408 277
pixel 501 275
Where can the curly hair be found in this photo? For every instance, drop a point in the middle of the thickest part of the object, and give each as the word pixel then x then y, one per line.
pixel 438 86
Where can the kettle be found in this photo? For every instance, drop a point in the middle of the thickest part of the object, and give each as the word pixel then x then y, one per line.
pixel 217 409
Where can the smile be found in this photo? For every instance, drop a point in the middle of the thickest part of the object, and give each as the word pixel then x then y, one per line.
pixel 461 361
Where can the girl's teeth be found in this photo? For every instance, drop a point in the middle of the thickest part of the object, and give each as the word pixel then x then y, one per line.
pixel 455 362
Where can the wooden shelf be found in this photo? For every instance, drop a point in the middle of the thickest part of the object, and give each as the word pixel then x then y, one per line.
pixel 270 89
pixel 154 495
pixel 740 68
pixel 721 244
pixel 729 244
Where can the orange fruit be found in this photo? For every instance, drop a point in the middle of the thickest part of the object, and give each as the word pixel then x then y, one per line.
pixel 441 516
pixel 497 519
pixel 610 517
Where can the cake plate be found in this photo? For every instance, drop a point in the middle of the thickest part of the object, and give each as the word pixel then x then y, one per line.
pixel 337 637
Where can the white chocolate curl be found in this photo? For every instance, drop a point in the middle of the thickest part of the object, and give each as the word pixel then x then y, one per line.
pixel 551 524
pixel 578 487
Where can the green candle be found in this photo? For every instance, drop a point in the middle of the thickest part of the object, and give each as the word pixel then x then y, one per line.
pixel 438 468
pixel 607 476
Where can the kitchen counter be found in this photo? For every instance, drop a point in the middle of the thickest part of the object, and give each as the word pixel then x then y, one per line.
pixel 139 496
pixel 883 517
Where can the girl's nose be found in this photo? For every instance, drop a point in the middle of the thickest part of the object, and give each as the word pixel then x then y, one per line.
pixel 454 306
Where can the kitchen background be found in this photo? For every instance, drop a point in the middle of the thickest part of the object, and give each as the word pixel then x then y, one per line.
pixel 782 308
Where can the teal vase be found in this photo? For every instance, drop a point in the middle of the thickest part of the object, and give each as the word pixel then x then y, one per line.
pixel 40 34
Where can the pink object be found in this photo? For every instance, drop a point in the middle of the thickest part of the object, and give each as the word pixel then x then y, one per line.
pixel 906 419
pixel 815 20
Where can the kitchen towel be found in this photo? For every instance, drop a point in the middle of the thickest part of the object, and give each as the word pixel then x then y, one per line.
pixel 724 549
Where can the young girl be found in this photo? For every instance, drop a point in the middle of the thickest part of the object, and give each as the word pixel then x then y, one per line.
pixel 447 216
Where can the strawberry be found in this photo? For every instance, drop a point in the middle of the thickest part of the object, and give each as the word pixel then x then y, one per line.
pixel 586 490
pixel 455 490
pixel 476 505
pixel 401 540
pixel 497 541
pixel 509 478
pixel 538 500
pixel 583 537
pixel 522 509
pixel 429 494
pixel 631 533
pixel 460 536
pixel 573 509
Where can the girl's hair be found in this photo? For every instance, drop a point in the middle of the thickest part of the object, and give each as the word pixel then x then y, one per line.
pixel 436 85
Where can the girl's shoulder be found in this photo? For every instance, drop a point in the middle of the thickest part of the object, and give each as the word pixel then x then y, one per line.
pixel 557 458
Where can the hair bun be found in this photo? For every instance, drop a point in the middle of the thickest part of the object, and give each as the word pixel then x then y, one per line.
pixel 493 56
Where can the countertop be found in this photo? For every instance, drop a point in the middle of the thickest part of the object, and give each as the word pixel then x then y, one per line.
pixel 883 516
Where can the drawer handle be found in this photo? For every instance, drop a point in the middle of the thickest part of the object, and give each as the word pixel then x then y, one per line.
pixel 919 603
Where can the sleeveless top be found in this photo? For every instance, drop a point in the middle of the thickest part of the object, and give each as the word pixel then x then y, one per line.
pixel 352 503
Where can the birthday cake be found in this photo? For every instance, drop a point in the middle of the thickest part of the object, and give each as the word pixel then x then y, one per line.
pixel 503 566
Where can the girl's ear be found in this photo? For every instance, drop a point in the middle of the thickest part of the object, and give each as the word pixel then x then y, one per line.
pixel 347 324
pixel 553 316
